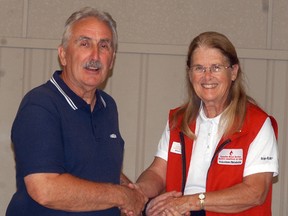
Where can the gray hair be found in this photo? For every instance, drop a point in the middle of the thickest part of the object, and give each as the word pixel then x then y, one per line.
pixel 90 12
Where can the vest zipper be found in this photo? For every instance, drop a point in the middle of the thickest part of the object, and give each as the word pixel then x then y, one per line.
pixel 183 158
pixel 226 142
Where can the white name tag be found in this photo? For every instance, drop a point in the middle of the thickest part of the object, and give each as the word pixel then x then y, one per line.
pixel 230 157
pixel 176 148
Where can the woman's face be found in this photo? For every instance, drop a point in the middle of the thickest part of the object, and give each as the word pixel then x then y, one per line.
pixel 212 87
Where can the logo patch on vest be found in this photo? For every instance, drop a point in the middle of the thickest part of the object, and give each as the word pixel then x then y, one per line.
pixel 230 157
pixel 176 148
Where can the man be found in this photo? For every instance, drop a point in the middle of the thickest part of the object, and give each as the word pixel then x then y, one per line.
pixel 68 147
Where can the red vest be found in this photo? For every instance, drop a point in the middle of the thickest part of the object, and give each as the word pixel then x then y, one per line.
pixel 221 176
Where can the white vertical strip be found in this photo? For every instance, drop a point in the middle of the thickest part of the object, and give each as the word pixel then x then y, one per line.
pixel 1 69
pixel 27 70
pixel 270 73
pixel 268 6
pixel 25 18
pixel 285 137
pixel 279 107
pixel 284 151
pixel 26 62
pixel 142 112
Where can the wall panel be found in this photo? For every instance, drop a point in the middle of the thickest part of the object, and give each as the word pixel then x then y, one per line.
pixel 127 85
pixel 165 90
pixel 11 69
pixel 255 72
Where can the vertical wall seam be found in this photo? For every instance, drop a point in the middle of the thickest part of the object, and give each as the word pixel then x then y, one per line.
pixel 25 80
pixel 284 192
pixel 25 18
pixel 270 64
pixel 1 66
pixel 269 25
pixel 142 112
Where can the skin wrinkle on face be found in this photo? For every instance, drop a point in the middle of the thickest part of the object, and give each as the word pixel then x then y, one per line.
pixel 90 41
pixel 213 89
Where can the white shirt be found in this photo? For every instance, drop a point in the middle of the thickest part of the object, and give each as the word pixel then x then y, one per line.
pixel 262 154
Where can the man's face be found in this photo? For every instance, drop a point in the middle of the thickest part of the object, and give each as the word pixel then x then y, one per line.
pixel 88 57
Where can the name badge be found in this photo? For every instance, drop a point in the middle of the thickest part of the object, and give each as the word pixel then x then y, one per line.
pixel 176 148
pixel 230 157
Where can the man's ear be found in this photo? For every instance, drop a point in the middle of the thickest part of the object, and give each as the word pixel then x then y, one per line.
pixel 112 61
pixel 62 55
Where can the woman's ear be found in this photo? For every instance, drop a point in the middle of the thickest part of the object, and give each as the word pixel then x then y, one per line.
pixel 234 72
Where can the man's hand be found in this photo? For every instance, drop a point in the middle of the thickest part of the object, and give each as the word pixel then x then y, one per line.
pixel 135 202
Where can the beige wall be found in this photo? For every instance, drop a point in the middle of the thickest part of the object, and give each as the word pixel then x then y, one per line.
pixel 148 78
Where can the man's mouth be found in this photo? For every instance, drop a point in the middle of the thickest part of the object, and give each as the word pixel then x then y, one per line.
pixel 93 65
pixel 92 68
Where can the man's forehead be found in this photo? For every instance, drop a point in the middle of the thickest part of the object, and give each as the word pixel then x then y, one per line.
pixel 91 28
pixel 91 23
pixel 88 38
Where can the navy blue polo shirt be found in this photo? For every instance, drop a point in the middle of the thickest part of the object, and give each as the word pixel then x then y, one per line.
pixel 55 132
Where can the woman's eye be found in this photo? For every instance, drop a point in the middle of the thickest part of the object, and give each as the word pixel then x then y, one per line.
pixel 216 68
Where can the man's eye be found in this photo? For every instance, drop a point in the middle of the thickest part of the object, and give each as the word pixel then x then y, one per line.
pixel 84 44
pixel 105 45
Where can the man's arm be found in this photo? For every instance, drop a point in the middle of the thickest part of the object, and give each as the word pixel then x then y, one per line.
pixel 124 180
pixel 69 193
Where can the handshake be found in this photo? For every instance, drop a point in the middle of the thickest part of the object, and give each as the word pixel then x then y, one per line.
pixel 136 203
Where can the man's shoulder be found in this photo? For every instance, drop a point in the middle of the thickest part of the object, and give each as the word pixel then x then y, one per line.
pixel 42 95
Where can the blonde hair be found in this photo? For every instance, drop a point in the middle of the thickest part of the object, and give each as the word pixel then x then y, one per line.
pixel 233 117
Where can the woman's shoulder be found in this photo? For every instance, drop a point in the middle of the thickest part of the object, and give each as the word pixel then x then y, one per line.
pixel 253 109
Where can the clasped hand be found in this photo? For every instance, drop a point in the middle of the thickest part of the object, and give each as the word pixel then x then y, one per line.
pixel 169 204
pixel 136 201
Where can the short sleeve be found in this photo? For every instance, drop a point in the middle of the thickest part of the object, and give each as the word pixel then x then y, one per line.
pixel 36 135
pixel 263 152
pixel 163 144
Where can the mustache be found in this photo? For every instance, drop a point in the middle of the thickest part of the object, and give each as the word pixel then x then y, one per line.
pixel 93 64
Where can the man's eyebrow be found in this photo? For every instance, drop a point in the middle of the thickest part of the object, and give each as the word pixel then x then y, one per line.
pixel 81 38
pixel 106 40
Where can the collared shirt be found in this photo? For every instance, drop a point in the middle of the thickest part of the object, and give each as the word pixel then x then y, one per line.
pixel 56 132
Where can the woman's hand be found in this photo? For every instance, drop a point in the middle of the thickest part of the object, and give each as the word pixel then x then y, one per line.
pixel 167 204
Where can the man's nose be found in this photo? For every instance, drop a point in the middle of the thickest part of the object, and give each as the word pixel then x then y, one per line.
pixel 95 51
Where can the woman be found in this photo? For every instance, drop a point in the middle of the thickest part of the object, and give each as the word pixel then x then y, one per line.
pixel 219 148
